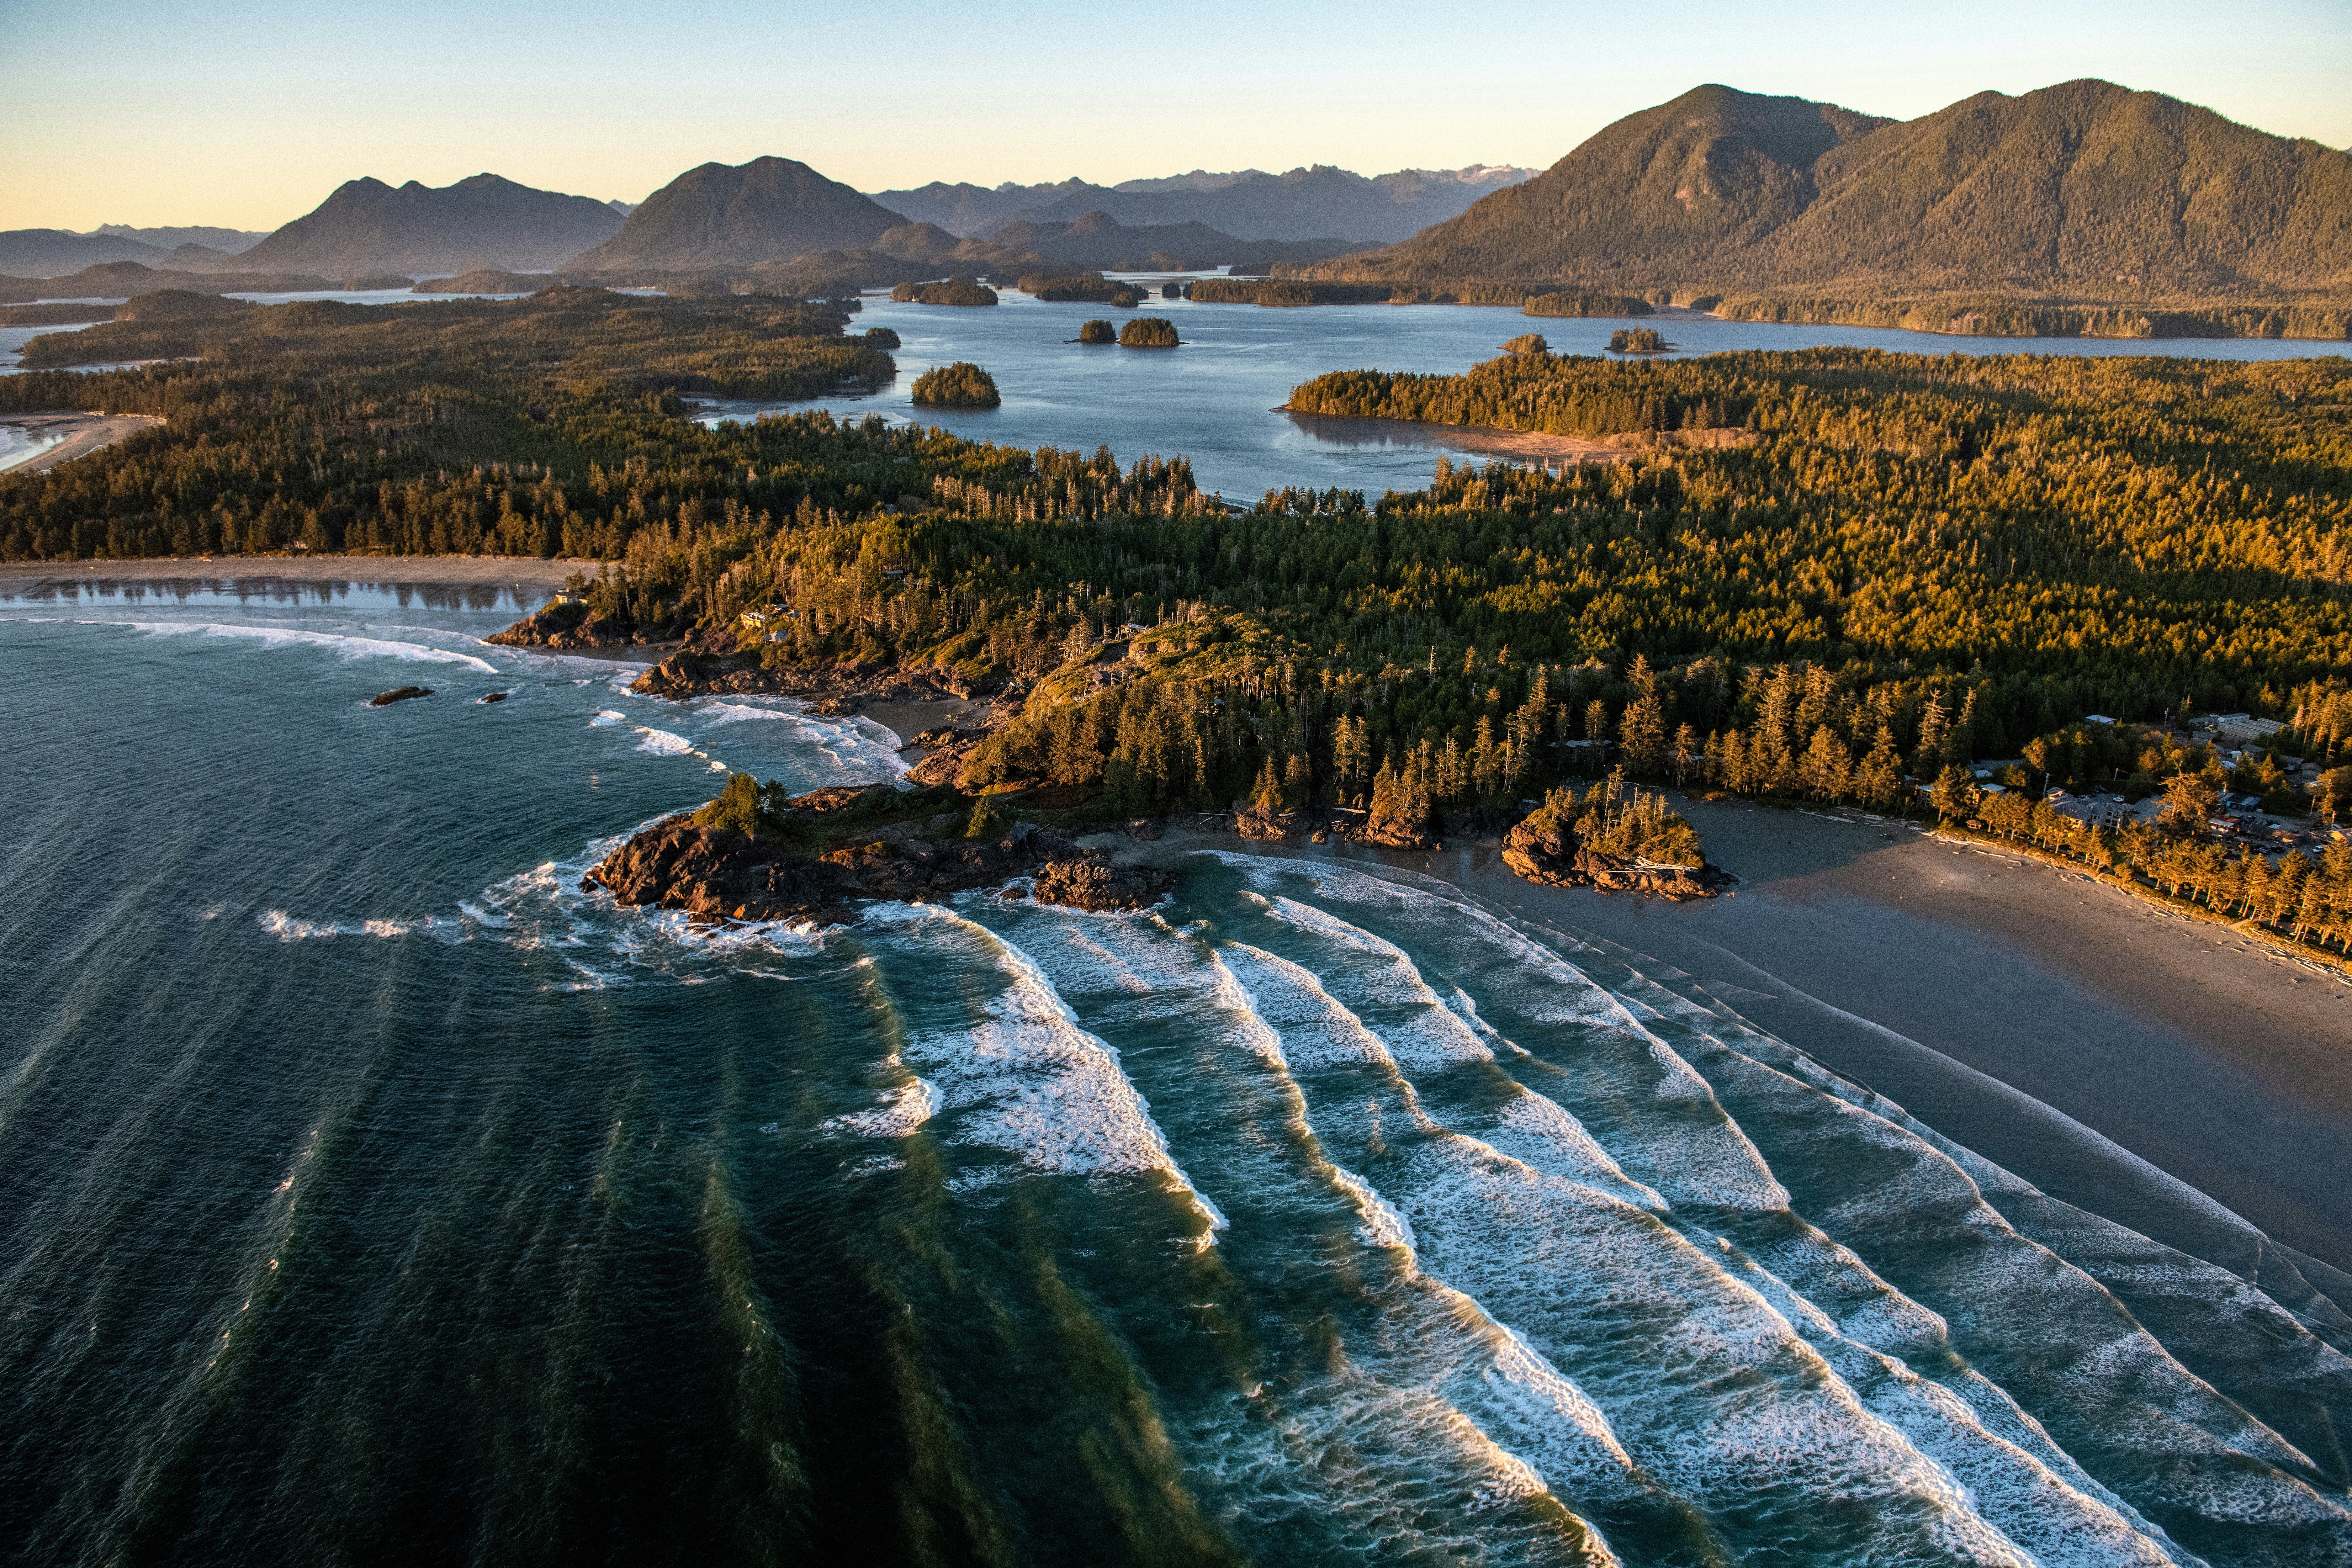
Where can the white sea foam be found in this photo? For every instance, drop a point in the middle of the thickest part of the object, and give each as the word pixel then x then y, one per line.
pixel 1022 1075
pixel 345 646
pixel 1382 1226
pixel 661 742
pixel 902 1112
pixel 1566 1261
pixel 1697 1154
pixel 288 927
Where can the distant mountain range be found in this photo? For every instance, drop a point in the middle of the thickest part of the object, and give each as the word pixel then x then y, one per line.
pixel 775 210
pixel 368 226
pixel 1100 241
pixel 227 241
pixel 2081 195
pixel 2085 191
pixel 48 252
pixel 1248 205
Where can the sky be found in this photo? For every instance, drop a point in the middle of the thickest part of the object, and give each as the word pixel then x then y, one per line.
pixel 245 113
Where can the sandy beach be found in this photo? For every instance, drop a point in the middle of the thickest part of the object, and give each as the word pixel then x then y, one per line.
pixel 83 433
pixel 1976 988
pixel 526 574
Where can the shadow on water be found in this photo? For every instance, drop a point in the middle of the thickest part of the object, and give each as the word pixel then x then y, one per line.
pixel 259 588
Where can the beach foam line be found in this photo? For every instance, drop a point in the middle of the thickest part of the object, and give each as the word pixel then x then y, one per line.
pixel 272 637
pixel 1678 1140
pixel 1474 1195
pixel 2172 1426
pixel 1437 1366
pixel 1753 1418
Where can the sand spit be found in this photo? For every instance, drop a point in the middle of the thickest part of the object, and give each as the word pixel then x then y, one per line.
pixel 84 433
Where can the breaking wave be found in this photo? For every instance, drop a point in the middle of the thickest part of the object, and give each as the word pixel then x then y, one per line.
pixel 345 645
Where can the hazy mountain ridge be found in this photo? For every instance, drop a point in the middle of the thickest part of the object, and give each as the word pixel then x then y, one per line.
pixel 2085 191
pixel 227 241
pixel 1099 241
pixel 1305 203
pixel 367 225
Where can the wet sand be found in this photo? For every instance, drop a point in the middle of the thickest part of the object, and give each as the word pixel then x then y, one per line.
pixel 2193 1071
pixel 84 433
pixel 524 573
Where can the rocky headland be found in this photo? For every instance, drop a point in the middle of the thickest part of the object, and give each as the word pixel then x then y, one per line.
pixel 811 858
pixel 568 625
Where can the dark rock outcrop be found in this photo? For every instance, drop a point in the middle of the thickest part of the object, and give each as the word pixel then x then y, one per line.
pixel 718 873
pixel 1094 881
pixel 1266 822
pixel 562 626
pixel 1542 850
pixel 1395 833
pixel 399 694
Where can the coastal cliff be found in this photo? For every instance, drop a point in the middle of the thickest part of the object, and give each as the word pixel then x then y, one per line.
pixel 811 858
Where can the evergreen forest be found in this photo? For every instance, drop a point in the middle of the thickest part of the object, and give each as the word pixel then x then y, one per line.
pixel 1903 565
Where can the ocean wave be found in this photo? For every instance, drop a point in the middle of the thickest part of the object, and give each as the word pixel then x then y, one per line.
pixel 1022 1075
pixel 271 637
pixel 902 1112
pixel 288 927
pixel 2039 1330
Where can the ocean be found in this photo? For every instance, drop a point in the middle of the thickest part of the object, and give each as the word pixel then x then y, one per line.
pixel 371 1193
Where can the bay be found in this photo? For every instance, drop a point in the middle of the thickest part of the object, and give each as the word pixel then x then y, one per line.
pixel 1212 399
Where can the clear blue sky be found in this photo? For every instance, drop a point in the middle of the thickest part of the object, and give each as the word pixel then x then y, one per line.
pixel 247 112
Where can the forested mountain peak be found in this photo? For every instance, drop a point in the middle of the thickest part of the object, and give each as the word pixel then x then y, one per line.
pixel 2082 184
pixel 735 216
pixel 2084 189
pixel 367 225
pixel 1714 169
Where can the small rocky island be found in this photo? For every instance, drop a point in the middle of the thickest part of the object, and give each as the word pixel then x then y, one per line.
pixel 1618 846
pixel 752 855
pixel 962 384
pixel 1639 341
pixel 1149 333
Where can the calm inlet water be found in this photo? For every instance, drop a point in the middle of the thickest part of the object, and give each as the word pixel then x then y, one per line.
pixel 369 1193
pixel 1212 399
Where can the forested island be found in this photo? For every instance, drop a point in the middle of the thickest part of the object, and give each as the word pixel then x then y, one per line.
pixel 1097 332
pixel 962 384
pixel 1638 340
pixel 1910 565
pixel 1149 333
pixel 954 292
pixel 1091 286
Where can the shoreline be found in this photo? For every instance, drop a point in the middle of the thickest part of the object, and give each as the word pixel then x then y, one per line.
pixel 2202 1081
pixel 1489 440
pixel 85 431
pixel 528 571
